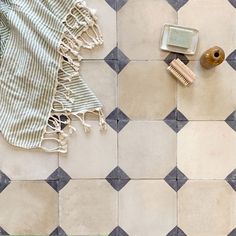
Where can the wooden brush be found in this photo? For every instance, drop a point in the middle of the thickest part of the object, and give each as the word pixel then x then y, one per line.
pixel 181 72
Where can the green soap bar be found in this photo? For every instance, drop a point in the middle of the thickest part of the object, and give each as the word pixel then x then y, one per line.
pixel 180 37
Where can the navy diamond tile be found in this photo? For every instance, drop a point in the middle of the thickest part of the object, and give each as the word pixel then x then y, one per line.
pixel 58 179
pixel 232 183
pixel 116 4
pixel 177 4
pixel 3 232
pixel 233 2
pixel 231 120
pixel 231 59
pixel 176 120
pixel 58 232
pixel 180 125
pixel 176 179
pixel 173 56
pixel 118 231
pixel 172 115
pixel 117 119
pixel 176 232
pixel 118 178
pixel 232 233
pixel 231 179
pixel 4 181
pixel 180 116
pixel 117 60
pixel 62 118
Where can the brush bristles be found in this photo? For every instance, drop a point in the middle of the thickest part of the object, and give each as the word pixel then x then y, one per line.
pixel 178 76
pixel 181 72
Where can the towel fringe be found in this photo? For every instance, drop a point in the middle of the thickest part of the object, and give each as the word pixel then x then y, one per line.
pixel 69 50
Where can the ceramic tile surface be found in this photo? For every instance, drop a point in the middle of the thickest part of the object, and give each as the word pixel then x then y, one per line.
pixel 146 91
pixel 207 208
pixel 88 207
pixel 166 165
pixel 204 18
pixel 147 149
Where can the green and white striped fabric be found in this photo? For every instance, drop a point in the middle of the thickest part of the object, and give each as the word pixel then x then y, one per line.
pixel 4 28
pixel 39 70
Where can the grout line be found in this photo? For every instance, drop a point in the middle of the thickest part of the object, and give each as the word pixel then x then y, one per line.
pixel 117 135
pixel 58 205
pixel 177 105
pixel 134 179
pixel 159 120
pixel 132 60
pixel 140 60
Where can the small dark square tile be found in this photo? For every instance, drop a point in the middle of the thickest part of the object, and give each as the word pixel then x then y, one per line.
pixel 231 120
pixel 58 232
pixel 58 179
pixel 117 119
pixel 4 181
pixel 116 4
pixel 118 231
pixel 176 232
pixel 231 59
pixel 173 56
pixel 176 179
pixel 117 60
pixel 3 232
pixel 231 179
pixel 176 120
pixel 232 233
pixel 118 178
pixel 233 2
pixel 177 4
pixel 63 121
pixel 172 115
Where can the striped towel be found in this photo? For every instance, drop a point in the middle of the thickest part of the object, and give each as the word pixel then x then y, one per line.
pixel 40 85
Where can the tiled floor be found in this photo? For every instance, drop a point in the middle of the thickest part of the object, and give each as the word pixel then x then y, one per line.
pixel 166 165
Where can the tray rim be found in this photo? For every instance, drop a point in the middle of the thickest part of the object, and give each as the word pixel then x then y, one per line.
pixel 182 27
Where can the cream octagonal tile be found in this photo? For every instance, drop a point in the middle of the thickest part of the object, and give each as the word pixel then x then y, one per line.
pixel 21 164
pixel 103 82
pixel 215 20
pixel 28 208
pixel 88 207
pixel 147 207
pixel 206 150
pixel 146 90
pixel 140 25
pixel 212 96
pixel 90 155
pixel 107 23
pixel 147 149
pixel 207 208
